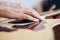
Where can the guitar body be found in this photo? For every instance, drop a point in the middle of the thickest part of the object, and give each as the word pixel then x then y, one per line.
pixel 46 33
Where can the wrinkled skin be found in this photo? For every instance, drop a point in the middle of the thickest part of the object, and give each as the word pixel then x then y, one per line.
pixel 18 11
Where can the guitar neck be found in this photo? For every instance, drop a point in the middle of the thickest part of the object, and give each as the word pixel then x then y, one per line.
pixel 50 13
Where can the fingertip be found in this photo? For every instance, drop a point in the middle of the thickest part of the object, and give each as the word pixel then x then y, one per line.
pixel 36 20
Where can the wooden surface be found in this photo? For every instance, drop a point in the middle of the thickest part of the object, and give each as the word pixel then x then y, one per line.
pixel 23 34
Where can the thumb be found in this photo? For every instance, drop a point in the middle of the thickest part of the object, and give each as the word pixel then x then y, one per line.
pixel 52 8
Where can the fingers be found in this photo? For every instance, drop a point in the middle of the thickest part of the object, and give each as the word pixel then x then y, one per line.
pixel 5 29
pixel 32 18
pixel 32 26
pixel 25 16
pixel 21 12
pixel 33 13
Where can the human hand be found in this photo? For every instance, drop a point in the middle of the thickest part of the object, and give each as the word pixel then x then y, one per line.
pixel 18 11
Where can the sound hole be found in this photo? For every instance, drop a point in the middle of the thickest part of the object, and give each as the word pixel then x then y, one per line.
pixel 20 21
pixel 57 32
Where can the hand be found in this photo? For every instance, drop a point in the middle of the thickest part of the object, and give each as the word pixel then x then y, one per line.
pixel 19 11
pixel 11 29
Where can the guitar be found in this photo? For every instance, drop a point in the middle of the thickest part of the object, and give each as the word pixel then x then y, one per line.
pixel 38 32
